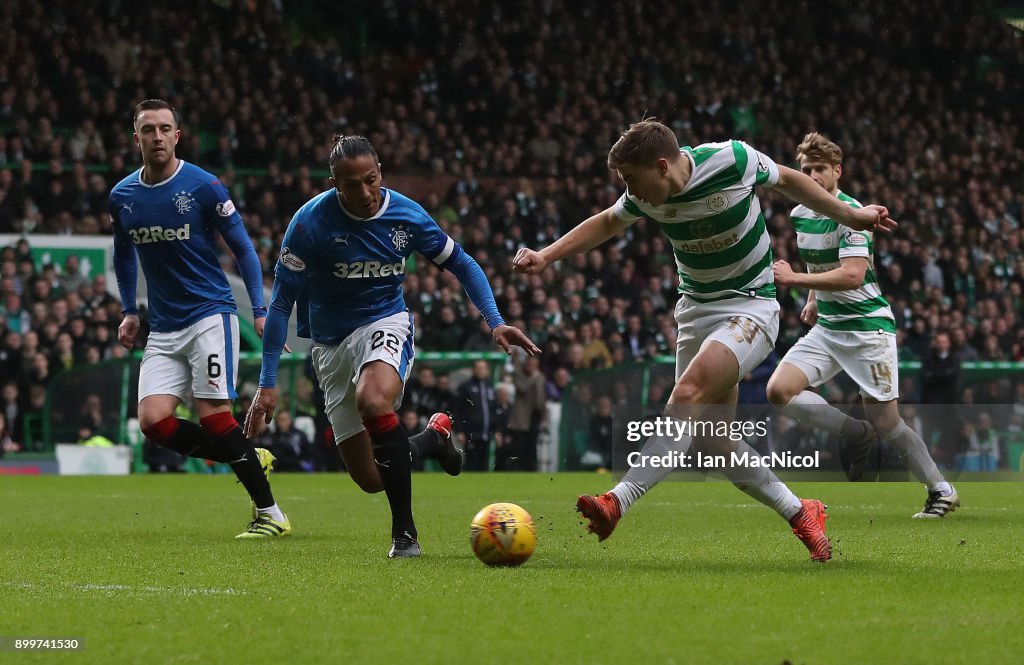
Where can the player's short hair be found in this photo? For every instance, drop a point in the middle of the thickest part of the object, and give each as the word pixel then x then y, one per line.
pixel 350 147
pixel 154 105
pixel 644 143
pixel 817 148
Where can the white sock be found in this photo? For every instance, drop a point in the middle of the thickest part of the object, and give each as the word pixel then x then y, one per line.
pixel 628 491
pixel 915 455
pixel 274 512
pixel 639 480
pixel 812 409
pixel 762 484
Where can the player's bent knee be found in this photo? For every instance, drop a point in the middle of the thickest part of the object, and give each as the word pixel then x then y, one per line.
pixel 372 403
pixel 688 392
pixel 155 409
pixel 883 416
pixel 884 423
pixel 161 431
pixel 148 419
pixel 779 394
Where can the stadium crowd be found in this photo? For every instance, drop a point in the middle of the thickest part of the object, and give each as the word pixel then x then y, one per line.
pixel 506 112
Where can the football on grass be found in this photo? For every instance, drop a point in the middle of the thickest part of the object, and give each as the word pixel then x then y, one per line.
pixel 502 534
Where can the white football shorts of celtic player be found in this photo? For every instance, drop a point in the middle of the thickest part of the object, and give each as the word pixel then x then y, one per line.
pixel 389 340
pixel 869 358
pixel 201 359
pixel 747 326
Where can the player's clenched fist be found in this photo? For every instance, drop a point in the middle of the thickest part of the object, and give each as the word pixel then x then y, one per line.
pixel 529 262
pixel 783 273
pixel 127 331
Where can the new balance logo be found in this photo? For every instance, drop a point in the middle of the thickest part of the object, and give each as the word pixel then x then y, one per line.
pixel 147 234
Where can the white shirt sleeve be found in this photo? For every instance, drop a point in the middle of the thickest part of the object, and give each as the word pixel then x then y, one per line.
pixel 766 171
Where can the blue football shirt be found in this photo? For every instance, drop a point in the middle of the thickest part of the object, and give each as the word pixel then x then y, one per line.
pixel 350 270
pixel 173 226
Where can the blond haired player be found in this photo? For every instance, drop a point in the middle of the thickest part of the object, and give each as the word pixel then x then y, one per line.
pixel 853 331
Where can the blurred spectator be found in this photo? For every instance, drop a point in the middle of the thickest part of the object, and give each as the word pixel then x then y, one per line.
pixel 7 442
pixel 983 445
pixel 940 372
pixel 71 278
pixel 503 448
pixel 599 451
pixel 444 395
pixel 289 445
pixel 525 418
pixel 16 318
pixel 557 385
pixel 474 416
pixel 421 393
pixel 87 436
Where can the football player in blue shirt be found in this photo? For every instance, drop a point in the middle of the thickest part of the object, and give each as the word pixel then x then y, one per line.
pixel 169 213
pixel 344 256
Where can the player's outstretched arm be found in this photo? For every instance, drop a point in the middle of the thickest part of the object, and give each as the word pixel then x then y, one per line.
pixel 802 189
pixel 587 235
pixel 473 280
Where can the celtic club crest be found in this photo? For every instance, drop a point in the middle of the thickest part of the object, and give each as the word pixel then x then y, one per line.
pixel 717 202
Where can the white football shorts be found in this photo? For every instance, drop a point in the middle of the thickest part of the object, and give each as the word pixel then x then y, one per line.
pixel 747 326
pixel 869 358
pixel 201 359
pixel 389 340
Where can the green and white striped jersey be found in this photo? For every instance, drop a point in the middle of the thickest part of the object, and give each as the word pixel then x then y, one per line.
pixel 822 243
pixel 718 234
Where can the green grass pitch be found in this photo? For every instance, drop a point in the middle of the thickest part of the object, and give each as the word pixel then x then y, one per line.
pixel 146 570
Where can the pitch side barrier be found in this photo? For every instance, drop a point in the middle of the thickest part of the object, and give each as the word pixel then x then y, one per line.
pixel 110 389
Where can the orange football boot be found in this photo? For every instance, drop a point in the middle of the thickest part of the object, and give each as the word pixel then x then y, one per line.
pixel 809 527
pixel 603 512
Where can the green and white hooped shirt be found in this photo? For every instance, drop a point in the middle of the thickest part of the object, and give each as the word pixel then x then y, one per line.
pixel 715 225
pixel 822 243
